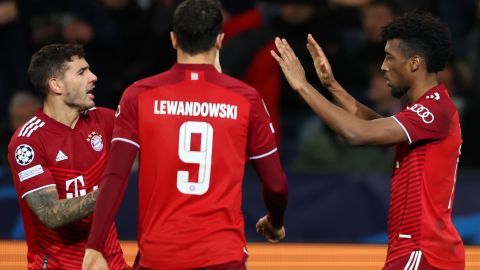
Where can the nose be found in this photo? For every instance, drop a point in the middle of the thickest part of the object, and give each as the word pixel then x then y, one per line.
pixel 384 66
pixel 93 77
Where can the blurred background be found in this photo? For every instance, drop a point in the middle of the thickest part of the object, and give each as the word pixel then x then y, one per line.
pixel 338 193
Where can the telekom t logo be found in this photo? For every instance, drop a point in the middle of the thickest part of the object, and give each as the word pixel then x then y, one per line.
pixel 77 185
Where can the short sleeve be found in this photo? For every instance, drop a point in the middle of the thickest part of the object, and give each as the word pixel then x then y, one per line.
pixel 28 165
pixel 126 119
pixel 426 120
pixel 261 135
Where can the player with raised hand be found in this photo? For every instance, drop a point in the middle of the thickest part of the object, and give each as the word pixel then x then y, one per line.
pixel 426 132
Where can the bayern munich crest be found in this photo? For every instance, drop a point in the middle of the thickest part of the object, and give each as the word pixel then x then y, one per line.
pixel 95 140
pixel 24 154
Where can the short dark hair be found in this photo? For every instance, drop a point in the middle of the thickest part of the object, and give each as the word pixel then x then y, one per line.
pixel 50 61
pixel 196 24
pixel 424 35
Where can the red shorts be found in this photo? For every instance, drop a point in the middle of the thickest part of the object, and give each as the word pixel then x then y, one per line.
pixel 239 265
pixel 413 261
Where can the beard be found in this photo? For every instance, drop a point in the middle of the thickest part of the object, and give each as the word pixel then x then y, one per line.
pixel 398 92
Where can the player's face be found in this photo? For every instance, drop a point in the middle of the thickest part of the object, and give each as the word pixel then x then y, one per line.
pixel 395 68
pixel 79 82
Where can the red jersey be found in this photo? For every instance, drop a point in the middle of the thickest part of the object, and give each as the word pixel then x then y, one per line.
pixel 423 183
pixel 46 153
pixel 195 128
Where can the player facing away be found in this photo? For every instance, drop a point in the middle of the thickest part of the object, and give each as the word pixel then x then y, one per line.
pixel 194 128
pixel 57 158
pixel 426 133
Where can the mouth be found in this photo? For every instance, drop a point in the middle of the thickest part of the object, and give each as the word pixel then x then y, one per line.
pixel 90 93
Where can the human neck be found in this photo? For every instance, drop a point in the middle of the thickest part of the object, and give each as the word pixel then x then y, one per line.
pixel 60 112
pixel 420 86
pixel 201 58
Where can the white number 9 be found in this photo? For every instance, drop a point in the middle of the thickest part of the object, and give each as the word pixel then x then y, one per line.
pixel 203 157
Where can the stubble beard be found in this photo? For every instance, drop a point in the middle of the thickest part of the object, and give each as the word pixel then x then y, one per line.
pixel 398 91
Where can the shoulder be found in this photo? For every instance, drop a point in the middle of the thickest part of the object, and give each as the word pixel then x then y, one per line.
pixel 29 132
pixel 235 85
pixel 101 112
pixel 437 105
pixel 23 148
pixel 167 77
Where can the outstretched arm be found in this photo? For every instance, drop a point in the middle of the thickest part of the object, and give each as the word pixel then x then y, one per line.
pixel 355 130
pixel 55 213
pixel 325 74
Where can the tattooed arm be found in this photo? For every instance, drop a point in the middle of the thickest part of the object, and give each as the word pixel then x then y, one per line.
pixel 55 213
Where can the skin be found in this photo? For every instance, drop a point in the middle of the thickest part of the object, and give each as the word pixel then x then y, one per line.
pixel 405 75
pixel 356 130
pixel 68 96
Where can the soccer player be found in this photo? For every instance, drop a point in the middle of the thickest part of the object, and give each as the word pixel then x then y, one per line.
pixel 57 158
pixel 427 134
pixel 195 128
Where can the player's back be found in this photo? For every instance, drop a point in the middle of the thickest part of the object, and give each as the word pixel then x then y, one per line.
pixel 193 130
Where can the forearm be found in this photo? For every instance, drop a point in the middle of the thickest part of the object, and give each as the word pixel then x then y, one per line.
pixel 350 104
pixel 344 123
pixel 55 213
pixel 274 186
pixel 120 160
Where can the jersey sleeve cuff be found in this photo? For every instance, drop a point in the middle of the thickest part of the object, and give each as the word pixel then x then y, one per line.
pixel 39 188
pixel 404 129
pixel 127 141
pixel 264 155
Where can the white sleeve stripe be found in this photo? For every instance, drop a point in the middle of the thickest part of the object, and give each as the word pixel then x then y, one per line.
pixel 26 124
pixel 264 155
pixel 33 190
pixel 404 129
pixel 127 141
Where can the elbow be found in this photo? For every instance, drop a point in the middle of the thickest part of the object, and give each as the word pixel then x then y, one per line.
pixel 50 221
pixel 354 139
pixel 51 224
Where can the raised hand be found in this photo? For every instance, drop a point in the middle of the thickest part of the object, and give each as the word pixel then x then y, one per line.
pixel 272 234
pixel 322 65
pixel 291 66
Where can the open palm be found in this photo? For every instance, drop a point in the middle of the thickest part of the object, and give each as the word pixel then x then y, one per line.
pixel 322 65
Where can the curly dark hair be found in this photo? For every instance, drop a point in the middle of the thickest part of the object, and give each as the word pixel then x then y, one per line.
pixel 424 35
pixel 51 61
pixel 196 24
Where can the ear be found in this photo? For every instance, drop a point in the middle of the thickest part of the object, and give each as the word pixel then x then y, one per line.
pixel 219 41
pixel 173 38
pixel 55 85
pixel 415 62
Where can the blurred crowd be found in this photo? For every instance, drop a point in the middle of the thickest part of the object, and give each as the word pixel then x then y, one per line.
pixel 126 40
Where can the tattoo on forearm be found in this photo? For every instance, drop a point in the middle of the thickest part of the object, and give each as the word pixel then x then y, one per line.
pixel 55 213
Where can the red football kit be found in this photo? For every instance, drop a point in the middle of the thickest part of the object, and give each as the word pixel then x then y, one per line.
pixel 423 184
pixel 195 129
pixel 46 153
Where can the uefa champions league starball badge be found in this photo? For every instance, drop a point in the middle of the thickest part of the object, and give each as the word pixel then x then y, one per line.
pixel 24 154
pixel 95 141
